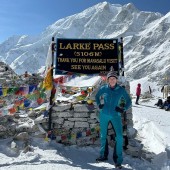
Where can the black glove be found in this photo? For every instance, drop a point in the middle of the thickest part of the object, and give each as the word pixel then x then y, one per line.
pixel 118 109
pixel 101 106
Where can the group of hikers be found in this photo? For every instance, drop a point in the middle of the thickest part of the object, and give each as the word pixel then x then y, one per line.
pixel 164 104
pixel 160 103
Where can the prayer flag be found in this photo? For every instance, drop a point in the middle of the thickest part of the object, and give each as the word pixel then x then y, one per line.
pixel 48 83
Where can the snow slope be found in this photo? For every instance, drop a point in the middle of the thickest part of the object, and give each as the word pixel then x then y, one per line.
pixel 153 130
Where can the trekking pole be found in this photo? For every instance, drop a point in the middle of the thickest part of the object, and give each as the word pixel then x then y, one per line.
pixel 126 141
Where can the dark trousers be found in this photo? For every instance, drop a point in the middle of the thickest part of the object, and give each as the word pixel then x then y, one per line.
pixel 106 152
pixel 126 142
pixel 137 99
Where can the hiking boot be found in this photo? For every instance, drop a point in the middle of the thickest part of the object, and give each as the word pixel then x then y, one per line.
pixel 101 159
pixel 166 108
pixel 118 166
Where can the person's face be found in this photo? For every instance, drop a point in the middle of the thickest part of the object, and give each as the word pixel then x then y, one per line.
pixel 112 81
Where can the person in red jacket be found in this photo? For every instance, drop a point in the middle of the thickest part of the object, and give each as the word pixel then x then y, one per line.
pixel 138 92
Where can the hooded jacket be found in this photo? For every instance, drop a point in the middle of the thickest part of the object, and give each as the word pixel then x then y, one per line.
pixel 112 98
pixel 138 90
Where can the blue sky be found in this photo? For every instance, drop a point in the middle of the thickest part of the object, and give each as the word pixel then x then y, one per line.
pixel 31 17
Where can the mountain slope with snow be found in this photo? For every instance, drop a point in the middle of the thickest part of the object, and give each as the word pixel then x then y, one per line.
pixel 151 122
pixel 146 39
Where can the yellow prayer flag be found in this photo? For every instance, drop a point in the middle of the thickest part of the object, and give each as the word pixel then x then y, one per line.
pixel 5 90
pixel 48 82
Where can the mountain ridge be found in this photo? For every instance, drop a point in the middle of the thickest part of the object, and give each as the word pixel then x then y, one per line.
pixel 146 39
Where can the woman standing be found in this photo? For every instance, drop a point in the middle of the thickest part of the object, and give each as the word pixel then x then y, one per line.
pixel 112 93
pixel 138 93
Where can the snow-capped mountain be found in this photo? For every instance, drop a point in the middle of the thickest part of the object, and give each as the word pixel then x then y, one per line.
pixel 146 39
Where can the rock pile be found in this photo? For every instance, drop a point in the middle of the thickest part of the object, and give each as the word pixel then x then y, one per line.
pixel 8 78
pixel 6 74
pixel 17 126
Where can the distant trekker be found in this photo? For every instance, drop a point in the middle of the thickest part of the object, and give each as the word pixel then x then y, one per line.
pixel 138 93
pixel 26 74
pixel 6 68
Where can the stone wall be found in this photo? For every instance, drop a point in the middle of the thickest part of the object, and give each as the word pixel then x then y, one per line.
pixel 78 123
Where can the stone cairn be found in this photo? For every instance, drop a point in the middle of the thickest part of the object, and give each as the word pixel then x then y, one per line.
pixel 19 126
pixel 10 79
pixel 6 74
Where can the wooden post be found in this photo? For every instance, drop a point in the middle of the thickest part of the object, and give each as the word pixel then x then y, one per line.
pixel 51 97
pixel 122 56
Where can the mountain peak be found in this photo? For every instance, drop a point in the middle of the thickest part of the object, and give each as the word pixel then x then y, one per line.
pixel 131 7
pixel 146 39
pixel 101 6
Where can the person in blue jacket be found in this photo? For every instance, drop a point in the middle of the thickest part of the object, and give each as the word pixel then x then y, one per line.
pixel 110 111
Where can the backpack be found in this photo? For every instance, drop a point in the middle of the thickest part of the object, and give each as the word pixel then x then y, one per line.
pixel 160 102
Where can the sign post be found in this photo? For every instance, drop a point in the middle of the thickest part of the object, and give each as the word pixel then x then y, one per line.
pixel 87 56
pixel 51 97
pixel 122 57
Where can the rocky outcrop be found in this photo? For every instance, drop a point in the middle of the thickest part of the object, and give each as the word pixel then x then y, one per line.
pixel 8 78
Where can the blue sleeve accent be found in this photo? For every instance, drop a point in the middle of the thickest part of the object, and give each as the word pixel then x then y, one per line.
pixel 99 94
pixel 128 99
